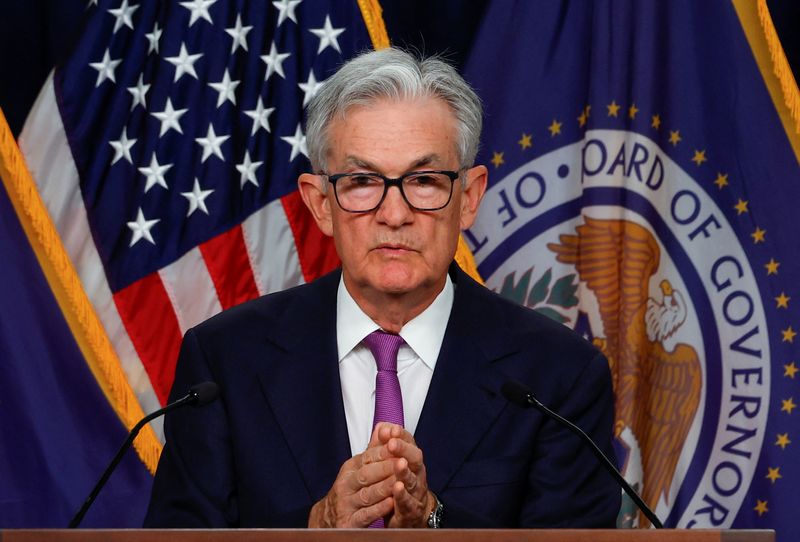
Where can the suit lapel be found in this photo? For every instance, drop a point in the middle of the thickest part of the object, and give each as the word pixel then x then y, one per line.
pixel 463 399
pixel 301 384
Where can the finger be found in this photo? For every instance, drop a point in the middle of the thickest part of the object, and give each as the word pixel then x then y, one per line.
pixel 408 510
pixel 402 448
pixel 372 494
pixel 403 474
pixel 374 439
pixel 370 474
pixel 385 431
pixel 363 517
pixel 375 455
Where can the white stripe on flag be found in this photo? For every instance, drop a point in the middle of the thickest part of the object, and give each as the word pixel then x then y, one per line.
pixel 190 289
pixel 271 249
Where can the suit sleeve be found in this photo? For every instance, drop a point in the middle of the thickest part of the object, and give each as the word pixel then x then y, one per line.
pixel 568 487
pixel 193 485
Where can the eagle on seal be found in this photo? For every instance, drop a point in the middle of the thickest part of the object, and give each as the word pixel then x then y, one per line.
pixel 657 381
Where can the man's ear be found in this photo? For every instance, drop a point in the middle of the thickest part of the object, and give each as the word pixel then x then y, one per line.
pixel 477 177
pixel 316 200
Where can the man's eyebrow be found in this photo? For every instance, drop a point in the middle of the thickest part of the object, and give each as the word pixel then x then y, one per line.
pixel 367 165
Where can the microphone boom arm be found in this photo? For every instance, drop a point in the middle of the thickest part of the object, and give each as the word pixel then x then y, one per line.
pixel 199 394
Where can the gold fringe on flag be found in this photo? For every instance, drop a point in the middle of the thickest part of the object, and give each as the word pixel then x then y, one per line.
pixel 373 18
pixel 768 52
pixel 780 66
pixel 89 333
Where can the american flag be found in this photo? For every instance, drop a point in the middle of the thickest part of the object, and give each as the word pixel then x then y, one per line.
pixel 166 151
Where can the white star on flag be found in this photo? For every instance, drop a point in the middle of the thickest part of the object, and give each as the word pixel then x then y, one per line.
pixel 155 174
pixel 286 9
pixel 199 8
pixel 153 38
pixel 105 68
pixel 211 144
pixel 197 198
pixel 327 35
pixel 122 147
pixel 141 228
pixel 260 116
pixel 184 63
pixel 139 93
pixel 274 61
pixel 239 34
pixel 310 87
pixel 298 143
pixel 123 15
pixel 248 170
pixel 170 118
pixel 226 89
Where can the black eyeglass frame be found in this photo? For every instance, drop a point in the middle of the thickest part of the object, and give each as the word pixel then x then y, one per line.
pixel 388 182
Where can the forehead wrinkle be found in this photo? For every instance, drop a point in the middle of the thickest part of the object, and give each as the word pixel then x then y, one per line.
pixel 426 160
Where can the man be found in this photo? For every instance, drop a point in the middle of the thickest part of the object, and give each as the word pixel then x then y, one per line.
pixel 291 442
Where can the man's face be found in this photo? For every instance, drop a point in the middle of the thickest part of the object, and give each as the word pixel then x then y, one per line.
pixel 395 249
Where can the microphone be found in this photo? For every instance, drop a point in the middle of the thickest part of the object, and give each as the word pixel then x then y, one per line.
pixel 199 395
pixel 521 395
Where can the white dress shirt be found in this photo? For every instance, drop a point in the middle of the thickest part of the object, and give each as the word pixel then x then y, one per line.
pixel 415 361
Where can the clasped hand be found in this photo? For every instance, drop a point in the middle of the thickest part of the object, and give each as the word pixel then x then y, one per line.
pixel 386 481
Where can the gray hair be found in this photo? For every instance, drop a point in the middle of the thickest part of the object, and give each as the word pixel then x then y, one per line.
pixel 395 74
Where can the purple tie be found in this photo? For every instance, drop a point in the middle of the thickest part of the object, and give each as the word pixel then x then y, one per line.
pixel 388 397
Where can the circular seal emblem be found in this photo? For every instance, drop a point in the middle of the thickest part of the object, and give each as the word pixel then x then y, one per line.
pixel 611 237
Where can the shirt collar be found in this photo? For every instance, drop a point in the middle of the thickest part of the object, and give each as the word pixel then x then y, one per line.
pixel 423 334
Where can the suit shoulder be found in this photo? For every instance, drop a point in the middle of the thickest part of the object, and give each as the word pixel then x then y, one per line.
pixel 270 308
pixel 534 326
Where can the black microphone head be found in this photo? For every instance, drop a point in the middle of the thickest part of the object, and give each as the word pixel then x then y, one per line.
pixel 204 393
pixel 516 392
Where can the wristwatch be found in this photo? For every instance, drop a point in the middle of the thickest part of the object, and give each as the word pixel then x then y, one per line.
pixel 435 517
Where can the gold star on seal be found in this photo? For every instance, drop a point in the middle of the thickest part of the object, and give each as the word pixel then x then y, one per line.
pixel 788 335
pixel 773 474
pixel 497 159
pixel 758 235
pixel 699 157
pixel 772 267
pixel 783 440
pixel 761 507
pixel 525 141
pixel 788 405
pixel 741 206
pixel 782 301
pixel 655 121
pixel 555 128
pixel 632 110
pixel 674 137
pixel 613 109
pixel 721 180
pixel 790 370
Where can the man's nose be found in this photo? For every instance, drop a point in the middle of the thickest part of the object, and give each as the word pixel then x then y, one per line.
pixel 394 210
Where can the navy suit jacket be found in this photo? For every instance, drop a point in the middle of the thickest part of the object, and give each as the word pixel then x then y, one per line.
pixel 272 445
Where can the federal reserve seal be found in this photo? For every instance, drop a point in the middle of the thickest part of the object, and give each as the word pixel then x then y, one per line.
pixel 611 237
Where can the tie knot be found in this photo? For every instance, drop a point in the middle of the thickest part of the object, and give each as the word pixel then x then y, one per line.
pixel 384 347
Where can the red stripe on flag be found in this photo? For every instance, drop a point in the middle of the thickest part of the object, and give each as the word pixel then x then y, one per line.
pixel 226 258
pixel 152 326
pixel 315 250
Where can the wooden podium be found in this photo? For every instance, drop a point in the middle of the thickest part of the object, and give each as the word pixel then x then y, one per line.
pixel 387 535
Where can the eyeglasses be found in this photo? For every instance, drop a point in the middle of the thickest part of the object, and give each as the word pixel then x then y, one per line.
pixel 421 190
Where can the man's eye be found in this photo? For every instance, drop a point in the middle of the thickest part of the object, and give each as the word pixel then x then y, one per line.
pixel 424 179
pixel 363 180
